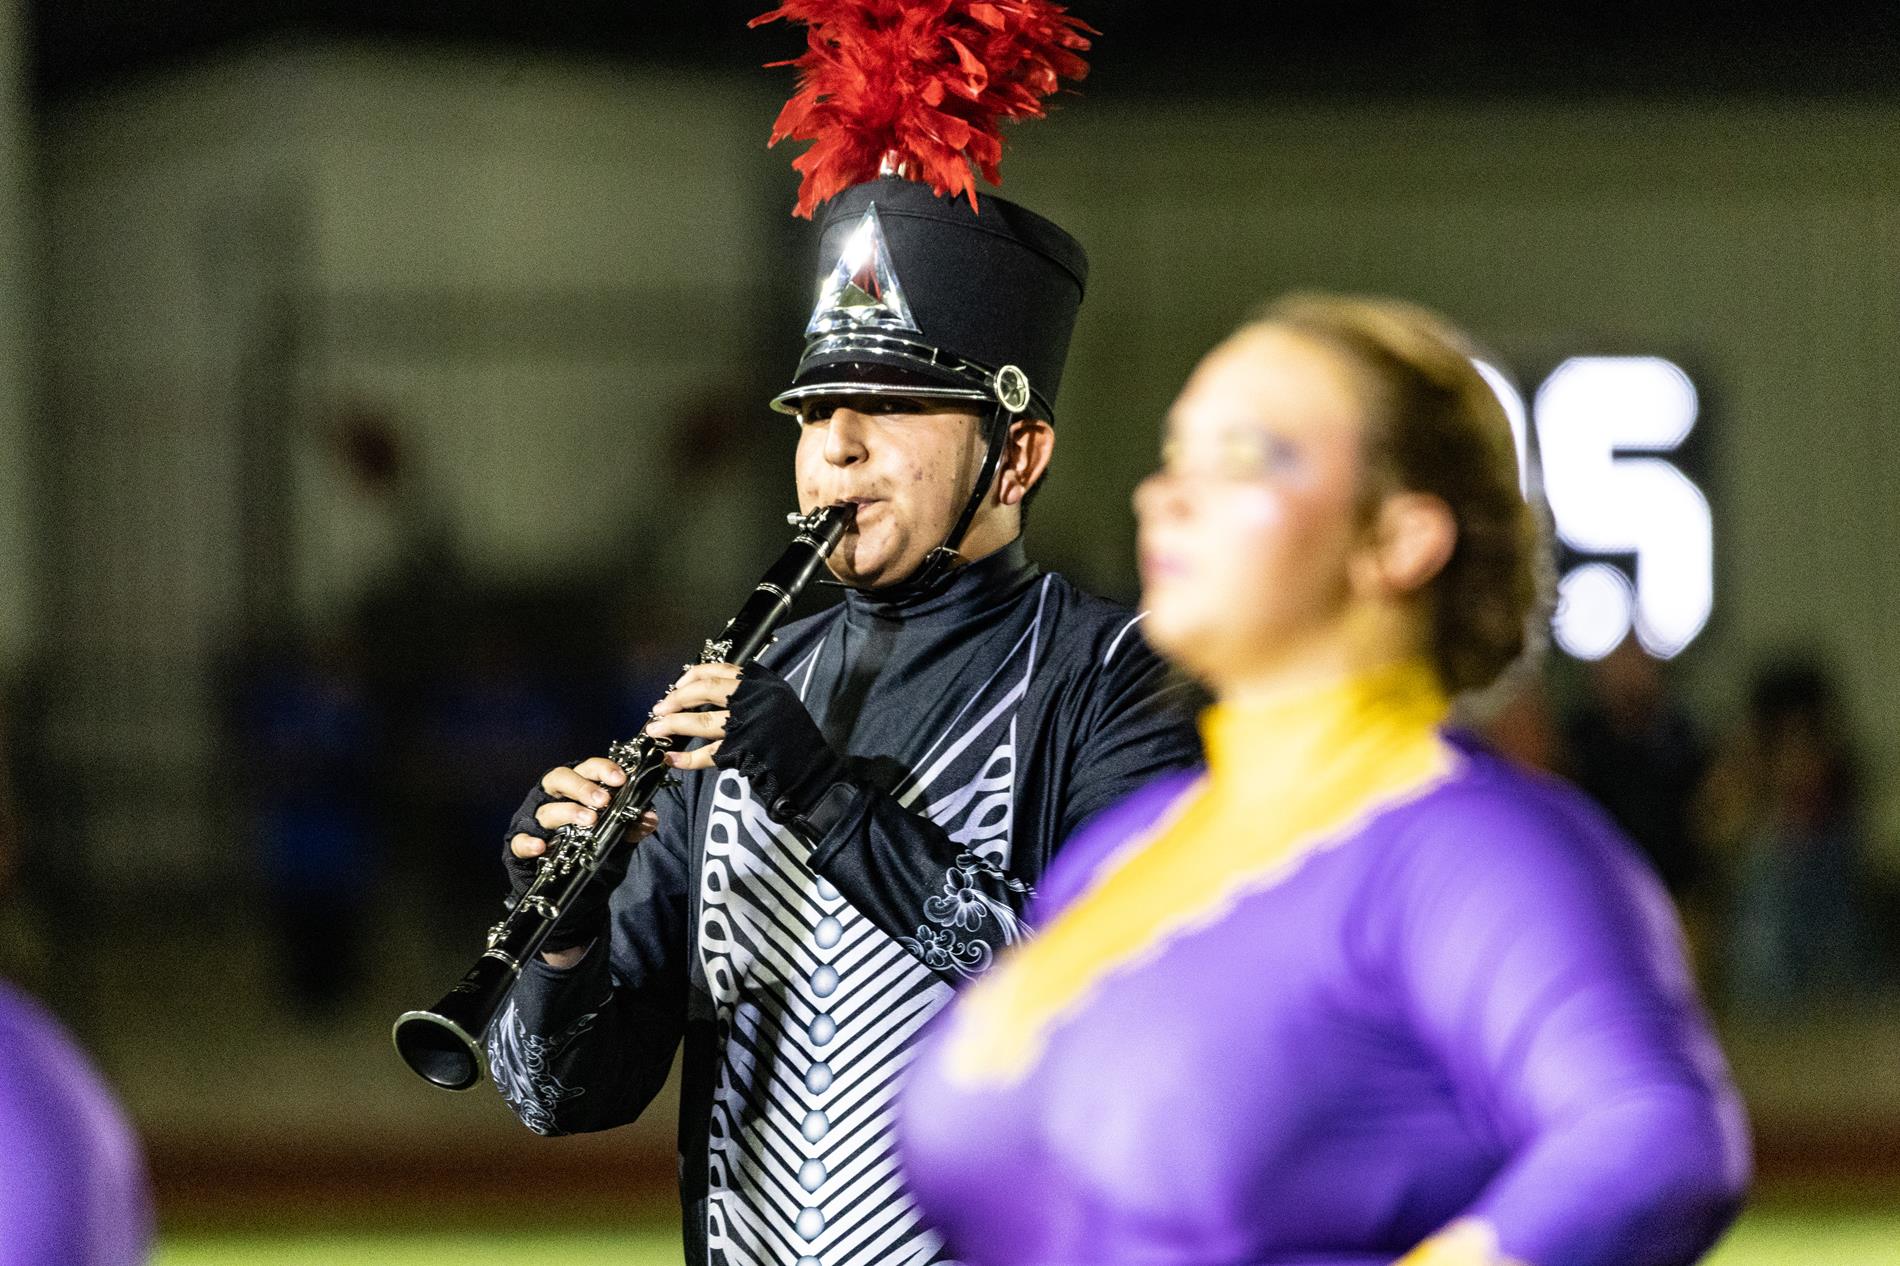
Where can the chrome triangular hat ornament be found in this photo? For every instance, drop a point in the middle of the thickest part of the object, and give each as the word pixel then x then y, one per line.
pixel 862 292
pixel 980 295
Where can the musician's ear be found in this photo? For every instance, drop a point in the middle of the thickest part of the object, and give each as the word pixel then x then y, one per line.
pixel 1026 455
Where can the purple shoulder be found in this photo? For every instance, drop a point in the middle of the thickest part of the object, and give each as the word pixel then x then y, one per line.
pixel 1494 812
pixel 1077 860
pixel 1487 781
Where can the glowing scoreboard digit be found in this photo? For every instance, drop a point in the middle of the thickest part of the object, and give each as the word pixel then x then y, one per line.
pixel 1602 443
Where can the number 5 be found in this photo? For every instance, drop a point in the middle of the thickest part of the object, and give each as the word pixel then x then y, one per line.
pixel 1589 411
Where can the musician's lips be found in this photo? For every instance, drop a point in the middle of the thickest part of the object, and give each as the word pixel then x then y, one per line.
pixel 863 504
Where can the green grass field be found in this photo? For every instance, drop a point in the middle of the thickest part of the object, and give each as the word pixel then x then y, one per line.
pixel 1779 1237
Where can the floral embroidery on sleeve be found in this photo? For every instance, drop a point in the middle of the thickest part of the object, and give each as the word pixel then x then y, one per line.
pixel 963 913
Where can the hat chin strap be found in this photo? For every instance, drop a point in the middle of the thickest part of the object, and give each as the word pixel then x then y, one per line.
pixel 944 559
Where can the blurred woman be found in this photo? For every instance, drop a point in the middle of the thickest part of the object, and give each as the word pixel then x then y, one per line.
pixel 73 1188
pixel 1359 990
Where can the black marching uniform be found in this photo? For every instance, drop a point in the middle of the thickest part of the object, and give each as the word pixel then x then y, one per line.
pixel 980 725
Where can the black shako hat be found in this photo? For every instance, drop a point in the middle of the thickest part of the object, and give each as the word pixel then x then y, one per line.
pixel 922 295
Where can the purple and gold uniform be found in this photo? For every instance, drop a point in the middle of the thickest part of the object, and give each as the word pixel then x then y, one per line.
pixel 72 1183
pixel 1354 984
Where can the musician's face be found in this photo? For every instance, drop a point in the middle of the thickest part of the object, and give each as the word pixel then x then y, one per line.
pixel 908 463
pixel 1249 529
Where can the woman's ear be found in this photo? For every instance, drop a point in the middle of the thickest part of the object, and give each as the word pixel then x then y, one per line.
pixel 1410 541
pixel 1026 454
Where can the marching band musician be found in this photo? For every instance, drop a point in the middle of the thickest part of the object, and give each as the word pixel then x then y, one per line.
pixel 869 806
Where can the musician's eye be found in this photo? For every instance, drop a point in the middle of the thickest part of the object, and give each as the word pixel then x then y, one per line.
pixel 815 411
pixel 893 404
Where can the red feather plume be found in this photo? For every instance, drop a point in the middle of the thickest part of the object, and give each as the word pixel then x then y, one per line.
pixel 922 86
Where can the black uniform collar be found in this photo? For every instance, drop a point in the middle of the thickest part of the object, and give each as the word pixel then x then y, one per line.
pixel 966 593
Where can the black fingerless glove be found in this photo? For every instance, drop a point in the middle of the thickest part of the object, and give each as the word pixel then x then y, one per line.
pixel 772 740
pixel 585 919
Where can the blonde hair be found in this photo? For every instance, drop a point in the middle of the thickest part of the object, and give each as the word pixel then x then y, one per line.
pixel 1435 426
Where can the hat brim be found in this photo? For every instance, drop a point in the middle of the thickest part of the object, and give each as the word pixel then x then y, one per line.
pixel 870 372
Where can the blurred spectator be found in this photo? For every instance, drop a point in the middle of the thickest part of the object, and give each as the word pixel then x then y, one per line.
pixel 413 623
pixel 410 622
pixel 488 730
pixel 1636 751
pixel 1786 798
pixel 306 722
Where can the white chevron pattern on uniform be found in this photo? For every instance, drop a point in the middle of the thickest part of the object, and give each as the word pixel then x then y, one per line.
pixel 819 1008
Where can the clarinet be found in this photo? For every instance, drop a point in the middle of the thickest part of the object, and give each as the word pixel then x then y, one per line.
pixel 444 1044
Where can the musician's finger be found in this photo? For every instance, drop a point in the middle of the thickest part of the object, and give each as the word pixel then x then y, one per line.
pixel 571 784
pixel 601 770
pixel 698 758
pixel 559 813
pixel 701 684
pixel 525 845
pixel 708 672
pixel 706 725
pixel 700 692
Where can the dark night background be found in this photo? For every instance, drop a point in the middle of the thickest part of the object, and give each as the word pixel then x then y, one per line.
pixel 1470 47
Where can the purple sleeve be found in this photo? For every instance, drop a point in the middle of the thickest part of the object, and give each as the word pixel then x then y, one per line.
pixel 1542 962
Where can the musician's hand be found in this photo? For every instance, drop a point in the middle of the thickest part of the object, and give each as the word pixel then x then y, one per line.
pixel 707 686
pixel 772 740
pixel 569 796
